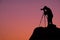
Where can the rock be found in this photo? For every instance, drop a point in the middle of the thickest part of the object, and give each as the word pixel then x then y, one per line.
pixel 51 32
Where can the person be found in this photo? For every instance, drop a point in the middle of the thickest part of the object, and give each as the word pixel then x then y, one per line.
pixel 48 13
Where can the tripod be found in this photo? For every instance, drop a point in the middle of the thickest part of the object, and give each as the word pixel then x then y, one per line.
pixel 41 20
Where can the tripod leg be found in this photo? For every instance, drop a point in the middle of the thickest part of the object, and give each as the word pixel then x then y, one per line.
pixel 41 19
pixel 44 21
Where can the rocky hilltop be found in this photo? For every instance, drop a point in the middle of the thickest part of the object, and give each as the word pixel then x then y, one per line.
pixel 51 32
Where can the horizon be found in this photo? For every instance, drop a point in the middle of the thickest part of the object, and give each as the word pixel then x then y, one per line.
pixel 18 18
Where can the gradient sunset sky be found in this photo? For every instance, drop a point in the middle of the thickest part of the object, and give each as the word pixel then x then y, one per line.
pixel 18 18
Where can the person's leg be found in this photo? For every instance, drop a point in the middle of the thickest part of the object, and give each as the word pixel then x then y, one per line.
pixel 51 20
pixel 48 20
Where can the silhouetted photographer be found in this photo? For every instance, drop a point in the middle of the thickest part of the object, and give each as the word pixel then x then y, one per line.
pixel 48 14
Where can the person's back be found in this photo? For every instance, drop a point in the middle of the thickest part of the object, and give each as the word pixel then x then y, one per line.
pixel 49 12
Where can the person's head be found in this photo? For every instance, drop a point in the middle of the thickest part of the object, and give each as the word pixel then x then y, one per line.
pixel 45 7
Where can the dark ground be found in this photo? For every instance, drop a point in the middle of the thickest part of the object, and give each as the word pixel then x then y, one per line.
pixel 51 32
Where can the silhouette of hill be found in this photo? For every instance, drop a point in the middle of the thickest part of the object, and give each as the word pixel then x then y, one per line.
pixel 51 32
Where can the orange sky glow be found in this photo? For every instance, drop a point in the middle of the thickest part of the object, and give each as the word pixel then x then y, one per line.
pixel 18 18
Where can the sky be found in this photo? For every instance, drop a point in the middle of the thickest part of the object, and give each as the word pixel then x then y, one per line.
pixel 18 18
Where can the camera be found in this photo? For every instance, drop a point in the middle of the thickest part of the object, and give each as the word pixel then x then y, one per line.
pixel 41 9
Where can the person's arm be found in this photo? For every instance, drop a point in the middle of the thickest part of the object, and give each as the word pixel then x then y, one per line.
pixel 45 12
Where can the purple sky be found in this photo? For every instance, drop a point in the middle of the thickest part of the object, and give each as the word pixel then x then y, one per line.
pixel 18 18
